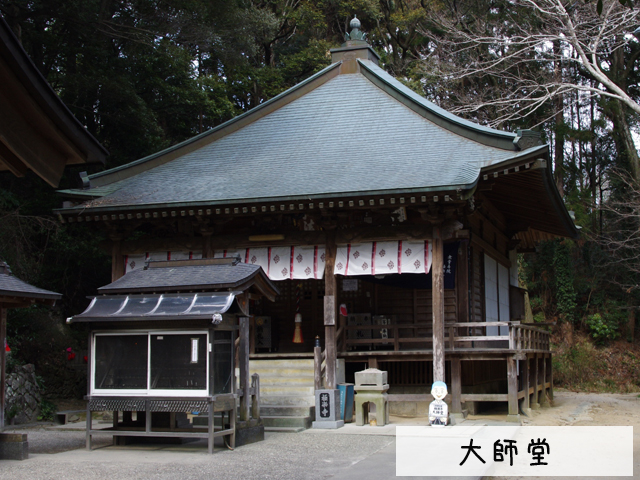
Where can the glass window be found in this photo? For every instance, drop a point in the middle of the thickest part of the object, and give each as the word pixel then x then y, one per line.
pixel 121 362
pixel 179 362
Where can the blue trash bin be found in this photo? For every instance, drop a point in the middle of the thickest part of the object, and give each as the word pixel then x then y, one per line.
pixel 346 401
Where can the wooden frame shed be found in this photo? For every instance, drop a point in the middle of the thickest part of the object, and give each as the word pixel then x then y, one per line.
pixel 352 189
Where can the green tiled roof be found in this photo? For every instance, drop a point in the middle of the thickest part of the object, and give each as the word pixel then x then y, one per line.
pixel 355 134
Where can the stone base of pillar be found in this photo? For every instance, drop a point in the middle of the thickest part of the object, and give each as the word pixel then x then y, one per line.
pixel 457 418
pixel 514 418
pixel 328 425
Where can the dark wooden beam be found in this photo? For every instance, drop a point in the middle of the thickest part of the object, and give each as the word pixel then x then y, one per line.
pixel 512 385
pixel 490 250
pixel 330 309
pixel 12 162
pixel 243 359
pixel 437 290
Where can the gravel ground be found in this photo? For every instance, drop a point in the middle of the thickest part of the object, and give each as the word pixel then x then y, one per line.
pixel 42 440
pixel 280 456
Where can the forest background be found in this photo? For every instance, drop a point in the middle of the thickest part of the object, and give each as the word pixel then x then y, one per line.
pixel 142 75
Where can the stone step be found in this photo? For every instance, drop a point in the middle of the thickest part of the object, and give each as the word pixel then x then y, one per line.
pixel 286 390
pixel 291 381
pixel 283 363
pixel 282 371
pixel 284 429
pixel 286 421
pixel 287 400
pixel 287 410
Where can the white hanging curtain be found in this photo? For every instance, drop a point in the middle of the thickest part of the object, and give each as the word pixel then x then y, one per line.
pixel 381 258
pixel 280 263
pixel 258 256
pixel 308 261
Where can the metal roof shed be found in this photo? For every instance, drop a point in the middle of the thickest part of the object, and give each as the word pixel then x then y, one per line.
pixel 162 342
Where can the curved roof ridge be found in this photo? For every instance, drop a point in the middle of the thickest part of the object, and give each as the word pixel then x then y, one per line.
pixel 439 112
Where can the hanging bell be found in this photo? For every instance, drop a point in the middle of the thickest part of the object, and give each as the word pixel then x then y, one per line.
pixel 297 333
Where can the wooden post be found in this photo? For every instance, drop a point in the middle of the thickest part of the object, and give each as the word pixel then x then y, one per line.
pixel 526 405
pixel 456 386
pixel 3 361
pixel 550 376
pixel 330 310
pixel 210 424
pixel 462 282
pixel 536 381
pixel 207 250
pixel 255 399
pixel 512 388
pixel 245 379
pixel 117 259
pixel 543 393
pixel 89 427
pixel 317 368
pixel 437 291
pixel 252 333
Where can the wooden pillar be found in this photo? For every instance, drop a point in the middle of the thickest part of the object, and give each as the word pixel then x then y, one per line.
pixel 3 361
pixel 536 381
pixel 437 291
pixel 87 437
pixel 117 258
pixel 550 360
pixel 462 282
pixel 245 379
pixel 330 310
pixel 207 250
pixel 317 368
pixel 543 393
pixel 456 386
pixel 526 405
pixel 512 388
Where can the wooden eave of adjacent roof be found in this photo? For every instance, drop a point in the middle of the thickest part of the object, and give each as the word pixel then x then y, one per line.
pixel 8 301
pixel 15 293
pixel 37 130
pixel 525 193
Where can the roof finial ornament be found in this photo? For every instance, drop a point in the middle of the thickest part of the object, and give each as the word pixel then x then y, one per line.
pixel 356 34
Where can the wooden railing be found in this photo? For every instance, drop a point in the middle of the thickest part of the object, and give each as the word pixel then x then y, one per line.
pixel 520 336
pixel 528 337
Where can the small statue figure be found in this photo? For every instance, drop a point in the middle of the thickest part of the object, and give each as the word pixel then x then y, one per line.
pixel 438 409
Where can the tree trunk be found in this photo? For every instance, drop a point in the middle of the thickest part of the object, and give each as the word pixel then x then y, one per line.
pixel 558 147
pixel 625 143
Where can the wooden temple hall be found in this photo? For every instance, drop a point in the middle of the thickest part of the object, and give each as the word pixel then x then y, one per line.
pixel 384 225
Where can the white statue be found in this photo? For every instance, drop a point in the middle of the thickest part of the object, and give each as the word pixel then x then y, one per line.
pixel 438 409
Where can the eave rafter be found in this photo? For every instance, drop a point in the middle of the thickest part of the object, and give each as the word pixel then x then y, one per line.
pixel 257 208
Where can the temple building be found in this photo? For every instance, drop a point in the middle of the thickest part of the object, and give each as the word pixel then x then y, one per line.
pixel 389 227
